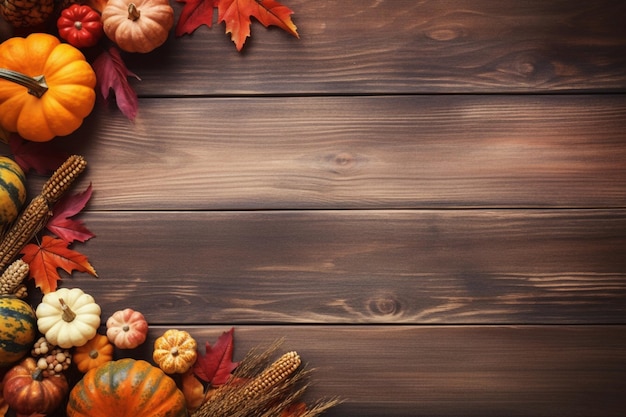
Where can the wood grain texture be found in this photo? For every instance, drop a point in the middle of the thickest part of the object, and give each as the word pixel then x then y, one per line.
pixel 485 266
pixel 426 198
pixel 403 46
pixel 358 152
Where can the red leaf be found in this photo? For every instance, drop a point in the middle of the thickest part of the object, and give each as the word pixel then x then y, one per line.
pixel 195 14
pixel 44 261
pixel 237 13
pixel 112 74
pixel 60 223
pixel 216 365
pixel 42 157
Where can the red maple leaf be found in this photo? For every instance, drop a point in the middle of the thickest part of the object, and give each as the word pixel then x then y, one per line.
pixel 237 13
pixel 216 365
pixel 195 14
pixel 42 157
pixel 112 74
pixel 62 225
pixel 46 258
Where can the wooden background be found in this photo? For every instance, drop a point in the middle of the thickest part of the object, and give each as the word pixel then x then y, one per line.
pixel 426 198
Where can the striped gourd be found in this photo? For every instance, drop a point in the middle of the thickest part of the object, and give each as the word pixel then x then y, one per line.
pixel 18 328
pixel 12 190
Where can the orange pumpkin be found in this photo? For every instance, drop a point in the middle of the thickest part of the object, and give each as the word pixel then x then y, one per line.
pixel 28 392
pixel 46 87
pixel 127 328
pixel 93 353
pixel 175 351
pixel 126 388
pixel 138 25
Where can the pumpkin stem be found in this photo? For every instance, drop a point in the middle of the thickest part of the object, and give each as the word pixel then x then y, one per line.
pixel 36 85
pixel 174 351
pixel 133 12
pixel 93 354
pixel 68 315
pixel 37 374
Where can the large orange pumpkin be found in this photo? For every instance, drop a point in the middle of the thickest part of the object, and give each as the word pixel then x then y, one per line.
pixel 126 388
pixel 46 87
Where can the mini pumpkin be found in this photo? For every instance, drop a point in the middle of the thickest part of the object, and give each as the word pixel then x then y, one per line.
pixel 68 317
pixel 127 328
pixel 93 353
pixel 46 87
pixel 80 25
pixel 138 25
pixel 126 388
pixel 175 351
pixel 28 392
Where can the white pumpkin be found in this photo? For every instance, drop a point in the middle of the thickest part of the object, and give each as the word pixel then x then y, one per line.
pixel 68 317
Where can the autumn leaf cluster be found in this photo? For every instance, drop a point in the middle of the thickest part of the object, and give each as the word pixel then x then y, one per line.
pixel 236 14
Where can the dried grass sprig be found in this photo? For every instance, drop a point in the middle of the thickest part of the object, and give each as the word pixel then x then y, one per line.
pixel 262 388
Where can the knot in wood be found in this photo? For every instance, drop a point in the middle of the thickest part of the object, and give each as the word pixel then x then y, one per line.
pixel 385 306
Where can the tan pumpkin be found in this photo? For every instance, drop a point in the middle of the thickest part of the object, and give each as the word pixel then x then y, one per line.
pixel 175 351
pixel 28 392
pixel 138 25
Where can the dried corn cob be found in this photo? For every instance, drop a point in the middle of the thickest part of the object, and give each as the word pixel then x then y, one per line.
pixel 274 374
pixel 28 223
pixel 62 178
pixel 12 277
pixel 253 397
pixel 21 291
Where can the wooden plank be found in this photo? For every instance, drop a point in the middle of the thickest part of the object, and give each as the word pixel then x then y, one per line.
pixel 358 152
pixel 402 46
pixel 450 371
pixel 476 266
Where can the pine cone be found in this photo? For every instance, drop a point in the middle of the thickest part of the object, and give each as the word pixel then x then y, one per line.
pixel 25 13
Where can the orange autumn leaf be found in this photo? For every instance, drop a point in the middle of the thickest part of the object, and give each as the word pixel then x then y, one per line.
pixel 236 14
pixel 45 259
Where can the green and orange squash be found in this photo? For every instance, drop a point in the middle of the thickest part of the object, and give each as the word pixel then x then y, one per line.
pixel 18 329
pixel 126 388
pixel 12 190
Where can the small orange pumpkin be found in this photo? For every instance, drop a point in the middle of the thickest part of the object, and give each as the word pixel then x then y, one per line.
pixel 175 351
pixel 28 392
pixel 127 328
pixel 138 25
pixel 46 87
pixel 93 353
